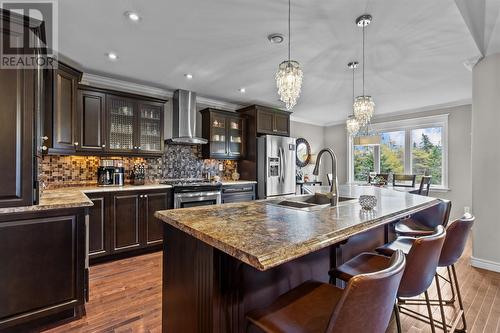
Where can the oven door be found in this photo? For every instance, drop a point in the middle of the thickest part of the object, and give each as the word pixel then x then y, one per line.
pixel 193 199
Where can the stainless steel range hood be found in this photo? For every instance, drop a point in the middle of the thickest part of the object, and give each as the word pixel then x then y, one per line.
pixel 184 119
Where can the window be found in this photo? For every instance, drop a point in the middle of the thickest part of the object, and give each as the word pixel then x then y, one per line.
pixel 363 162
pixel 413 146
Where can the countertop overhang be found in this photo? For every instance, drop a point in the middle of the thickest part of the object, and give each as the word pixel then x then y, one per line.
pixel 264 235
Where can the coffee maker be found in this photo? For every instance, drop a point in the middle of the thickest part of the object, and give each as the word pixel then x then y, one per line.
pixel 110 173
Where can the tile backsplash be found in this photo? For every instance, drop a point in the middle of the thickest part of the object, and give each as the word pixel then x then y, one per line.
pixel 178 161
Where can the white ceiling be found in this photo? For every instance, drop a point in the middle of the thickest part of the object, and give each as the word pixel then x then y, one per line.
pixel 415 49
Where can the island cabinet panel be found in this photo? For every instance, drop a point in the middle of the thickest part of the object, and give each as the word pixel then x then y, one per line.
pixel 238 193
pixel 61 109
pixel 125 221
pixel 91 121
pixel 43 266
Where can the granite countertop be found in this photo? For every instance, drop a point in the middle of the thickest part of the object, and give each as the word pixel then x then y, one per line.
pixel 74 197
pixel 265 235
pixel 237 182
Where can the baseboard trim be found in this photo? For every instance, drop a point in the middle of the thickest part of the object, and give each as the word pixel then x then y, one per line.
pixel 485 264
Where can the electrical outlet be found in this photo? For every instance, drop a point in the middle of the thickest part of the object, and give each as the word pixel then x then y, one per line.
pixel 221 167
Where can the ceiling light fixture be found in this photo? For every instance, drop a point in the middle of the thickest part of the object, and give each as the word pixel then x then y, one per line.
pixel 188 76
pixel 276 38
pixel 133 16
pixel 289 75
pixel 112 56
pixel 363 106
pixel 352 124
pixel 242 90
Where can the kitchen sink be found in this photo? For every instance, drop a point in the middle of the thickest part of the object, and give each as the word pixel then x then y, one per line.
pixel 307 202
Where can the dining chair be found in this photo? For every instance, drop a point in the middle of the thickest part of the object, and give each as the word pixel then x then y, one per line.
pixel 403 180
pixel 425 185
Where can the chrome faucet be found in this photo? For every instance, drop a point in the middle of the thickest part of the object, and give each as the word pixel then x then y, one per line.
pixel 334 189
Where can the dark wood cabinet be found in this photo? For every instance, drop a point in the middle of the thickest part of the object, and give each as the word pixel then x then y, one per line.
pixel 61 109
pixel 122 223
pixel 238 193
pixel 99 244
pixel 42 255
pixel 121 122
pixel 267 120
pixel 225 134
pixel 124 215
pixel 20 95
pixel 150 127
pixel 91 120
pixel 154 227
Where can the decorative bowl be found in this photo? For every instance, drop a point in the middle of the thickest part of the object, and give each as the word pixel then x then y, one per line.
pixel 368 202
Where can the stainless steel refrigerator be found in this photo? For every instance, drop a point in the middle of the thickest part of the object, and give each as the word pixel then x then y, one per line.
pixel 275 166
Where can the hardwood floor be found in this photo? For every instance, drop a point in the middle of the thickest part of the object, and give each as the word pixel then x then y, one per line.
pixel 125 296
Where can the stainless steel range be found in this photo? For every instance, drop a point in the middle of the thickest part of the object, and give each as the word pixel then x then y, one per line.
pixel 194 192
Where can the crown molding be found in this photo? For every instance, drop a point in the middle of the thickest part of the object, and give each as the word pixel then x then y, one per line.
pixel 304 121
pixel 100 81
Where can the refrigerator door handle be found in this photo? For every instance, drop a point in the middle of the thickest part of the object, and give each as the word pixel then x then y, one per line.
pixel 284 163
pixel 280 166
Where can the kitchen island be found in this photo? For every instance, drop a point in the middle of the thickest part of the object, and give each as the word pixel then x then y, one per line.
pixel 223 261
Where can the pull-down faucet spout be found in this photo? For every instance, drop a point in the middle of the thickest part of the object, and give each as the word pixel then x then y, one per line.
pixel 334 189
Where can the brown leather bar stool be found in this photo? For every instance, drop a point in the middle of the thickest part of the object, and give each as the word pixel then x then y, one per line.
pixel 421 263
pixel 365 305
pixel 457 234
pixel 424 222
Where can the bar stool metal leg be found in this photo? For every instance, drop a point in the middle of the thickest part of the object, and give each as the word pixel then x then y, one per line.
pixel 429 310
pixel 397 317
pixel 460 303
pixel 441 306
pixel 452 300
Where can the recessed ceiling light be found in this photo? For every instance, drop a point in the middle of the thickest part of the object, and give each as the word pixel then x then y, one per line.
pixel 242 90
pixel 188 76
pixel 133 16
pixel 112 56
pixel 276 38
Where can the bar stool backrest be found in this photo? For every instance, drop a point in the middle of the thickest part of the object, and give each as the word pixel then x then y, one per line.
pixel 434 216
pixel 456 238
pixel 368 300
pixel 421 263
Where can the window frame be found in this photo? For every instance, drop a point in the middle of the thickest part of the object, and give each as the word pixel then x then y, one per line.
pixel 406 125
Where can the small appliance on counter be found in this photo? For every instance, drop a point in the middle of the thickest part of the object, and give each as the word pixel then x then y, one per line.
pixel 111 173
pixel 138 174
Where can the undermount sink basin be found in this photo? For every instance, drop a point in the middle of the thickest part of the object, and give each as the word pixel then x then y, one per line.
pixel 307 202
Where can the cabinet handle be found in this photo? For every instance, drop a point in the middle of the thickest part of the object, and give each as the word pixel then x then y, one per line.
pixel 140 196
pixel 45 138
pixel 139 148
pixel 135 147
pixel 145 195
pixel 103 146
pixel 44 148
pixel 76 143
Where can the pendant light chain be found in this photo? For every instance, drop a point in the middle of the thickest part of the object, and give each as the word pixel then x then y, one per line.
pixel 289 29
pixel 353 68
pixel 364 63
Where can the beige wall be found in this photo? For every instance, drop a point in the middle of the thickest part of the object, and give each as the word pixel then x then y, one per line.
pixel 485 161
pixel 459 152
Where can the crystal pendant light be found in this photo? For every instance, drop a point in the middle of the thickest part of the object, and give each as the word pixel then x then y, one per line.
pixel 363 106
pixel 289 75
pixel 352 124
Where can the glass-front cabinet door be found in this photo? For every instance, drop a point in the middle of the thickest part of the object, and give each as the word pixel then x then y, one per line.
pixel 150 127
pixel 218 133
pixel 235 137
pixel 121 113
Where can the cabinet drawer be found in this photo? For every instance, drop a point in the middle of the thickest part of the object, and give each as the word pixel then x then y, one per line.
pixel 238 197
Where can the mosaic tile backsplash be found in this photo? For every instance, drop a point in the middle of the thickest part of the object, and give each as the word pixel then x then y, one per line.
pixel 178 161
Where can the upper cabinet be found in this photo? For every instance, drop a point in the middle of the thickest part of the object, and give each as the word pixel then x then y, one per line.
pixel 264 120
pixel 61 119
pixel 225 134
pixel 86 120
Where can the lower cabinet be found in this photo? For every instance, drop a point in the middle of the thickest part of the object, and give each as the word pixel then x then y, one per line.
pixel 238 193
pixel 42 260
pixel 124 221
